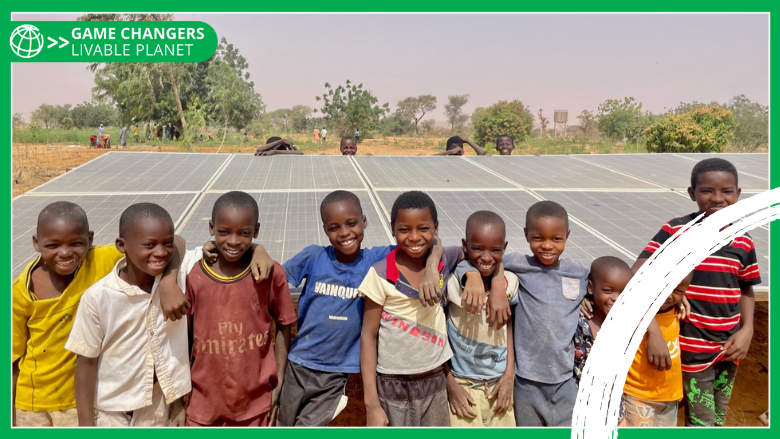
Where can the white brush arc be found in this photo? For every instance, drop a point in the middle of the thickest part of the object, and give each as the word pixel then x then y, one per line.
pixel 604 375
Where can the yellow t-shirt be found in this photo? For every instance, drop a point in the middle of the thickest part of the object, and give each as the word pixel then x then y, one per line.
pixel 41 328
pixel 645 381
pixel 135 131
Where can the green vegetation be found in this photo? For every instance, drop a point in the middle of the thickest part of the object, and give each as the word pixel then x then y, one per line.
pixel 505 117
pixel 704 129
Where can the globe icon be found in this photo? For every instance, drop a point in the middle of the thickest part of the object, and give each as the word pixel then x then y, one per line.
pixel 26 41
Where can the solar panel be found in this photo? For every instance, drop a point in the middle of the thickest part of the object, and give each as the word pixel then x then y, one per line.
pixel 289 222
pixel 103 212
pixel 118 172
pixel 667 170
pixel 632 219
pixel 455 207
pixel 558 171
pixel 754 164
pixel 250 173
pixel 452 173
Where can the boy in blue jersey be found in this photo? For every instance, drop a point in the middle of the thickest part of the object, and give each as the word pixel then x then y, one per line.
pixel 330 313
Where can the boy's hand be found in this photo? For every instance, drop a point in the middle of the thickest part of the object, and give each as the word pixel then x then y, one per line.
pixel 176 414
pixel 172 300
pixel 376 417
pixel 430 294
pixel 586 308
pixel 504 391
pixel 262 265
pixel 683 309
pixel 498 311
pixel 473 299
pixel 210 254
pixel 658 352
pixel 275 405
pixel 737 345
pixel 460 401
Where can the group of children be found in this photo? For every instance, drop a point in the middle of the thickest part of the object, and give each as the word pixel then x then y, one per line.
pixel 145 333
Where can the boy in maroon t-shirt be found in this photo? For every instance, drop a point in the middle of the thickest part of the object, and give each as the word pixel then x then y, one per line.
pixel 236 373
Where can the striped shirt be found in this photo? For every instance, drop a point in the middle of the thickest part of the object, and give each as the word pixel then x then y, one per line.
pixel 714 295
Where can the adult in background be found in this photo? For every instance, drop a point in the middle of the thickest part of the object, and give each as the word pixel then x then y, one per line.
pixel 316 135
pixel 455 147
pixel 277 145
pixel 357 135
pixel 324 133
pixel 135 133
pixel 104 138
pixel 123 137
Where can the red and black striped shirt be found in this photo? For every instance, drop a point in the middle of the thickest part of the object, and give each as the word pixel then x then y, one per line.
pixel 714 295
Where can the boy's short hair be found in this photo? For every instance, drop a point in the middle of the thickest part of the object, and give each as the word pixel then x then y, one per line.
pixel 484 217
pixel 713 165
pixel 454 142
pixel 238 200
pixel 338 196
pixel 413 200
pixel 139 211
pixel 272 139
pixel 347 138
pixel 546 209
pixel 63 210
pixel 511 139
pixel 604 263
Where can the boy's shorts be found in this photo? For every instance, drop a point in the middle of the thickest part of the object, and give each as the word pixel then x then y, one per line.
pixel 415 400
pixel 707 394
pixel 57 418
pixel 154 415
pixel 544 405
pixel 642 413
pixel 479 392
pixel 260 420
pixel 310 398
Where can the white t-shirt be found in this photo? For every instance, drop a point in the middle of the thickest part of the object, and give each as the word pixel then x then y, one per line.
pixel 324 132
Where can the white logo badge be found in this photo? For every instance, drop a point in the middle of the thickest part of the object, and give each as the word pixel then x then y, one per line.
pixel 26 41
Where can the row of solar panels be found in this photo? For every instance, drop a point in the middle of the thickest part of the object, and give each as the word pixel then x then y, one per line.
pixel 613 212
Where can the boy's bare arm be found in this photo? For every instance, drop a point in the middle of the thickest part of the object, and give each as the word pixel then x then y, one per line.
pixel 430 291
pixel 268 146
pixel 277 152
pixel 172 301
pixel 657 350
pixel 505 387
pixel 14 378
pixel 86 383
pixel 375 416
pixel 478 149
pixel 461 402
pixel 498 311
pixel 281 350
pixel 737 345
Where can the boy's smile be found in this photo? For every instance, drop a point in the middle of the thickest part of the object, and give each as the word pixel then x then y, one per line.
pixel 233 230
pixel 149 246
pixel 547 237
pixel 504 146
pixel 714 191
pixel 607 286
pixel 62 244
pixel 678 293
pixel 415 231
pixel 485 245
pixel 344 224
pixel 348 147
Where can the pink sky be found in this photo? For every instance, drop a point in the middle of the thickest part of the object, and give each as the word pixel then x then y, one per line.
pixel 551 61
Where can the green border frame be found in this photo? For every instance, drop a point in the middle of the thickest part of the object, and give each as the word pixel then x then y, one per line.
pixel 395 6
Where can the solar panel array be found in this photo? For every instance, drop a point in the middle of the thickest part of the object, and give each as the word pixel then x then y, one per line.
pixel 616 203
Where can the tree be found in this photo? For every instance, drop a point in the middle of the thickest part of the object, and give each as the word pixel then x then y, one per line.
pixel 454 110
pixel 622 119
pixel 543 122
pixel 17 120
pixel 280 120
pixel 67 123
pixel 416 107
pixel 752 121
pixel 196 114
pixel 587 122
pixel 45 115
pixel 511 118
pixel 705 129
pixel 233 101
pixel 300 118
pixel 350 106
pixel 398 124
pixel 88 114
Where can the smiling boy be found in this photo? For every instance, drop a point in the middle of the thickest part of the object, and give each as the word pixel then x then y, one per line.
pixel 505 144
pixel 719 329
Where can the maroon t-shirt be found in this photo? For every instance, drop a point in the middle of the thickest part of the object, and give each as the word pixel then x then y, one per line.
pixel 233 362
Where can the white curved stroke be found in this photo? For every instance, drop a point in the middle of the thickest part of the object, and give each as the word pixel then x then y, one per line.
pixel 604 375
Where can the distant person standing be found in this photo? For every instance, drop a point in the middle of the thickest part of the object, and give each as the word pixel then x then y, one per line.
pixel 123 137
pixel 103 136
pixel 316 135
pixel 357 135
pixel 135 133
pixel 324 133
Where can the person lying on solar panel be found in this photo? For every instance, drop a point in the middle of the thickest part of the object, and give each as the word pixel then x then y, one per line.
pixel 348 146
pixel 719 328
pixel 277 145
pixel 237 370
pixel 455 147
pixel 505 144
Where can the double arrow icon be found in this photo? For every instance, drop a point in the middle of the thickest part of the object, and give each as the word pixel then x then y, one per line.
pixel 55 42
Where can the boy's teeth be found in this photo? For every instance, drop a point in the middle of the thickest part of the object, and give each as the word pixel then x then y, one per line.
pixel 66 263
pixel 347 243
pixel 485 267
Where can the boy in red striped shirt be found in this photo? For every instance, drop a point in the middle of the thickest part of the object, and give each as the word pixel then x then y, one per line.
pixel 720 326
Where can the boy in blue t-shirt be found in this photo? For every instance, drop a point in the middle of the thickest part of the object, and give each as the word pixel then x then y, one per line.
pixel 330 313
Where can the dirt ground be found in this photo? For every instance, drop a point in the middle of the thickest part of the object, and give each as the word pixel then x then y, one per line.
pixel 34 164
